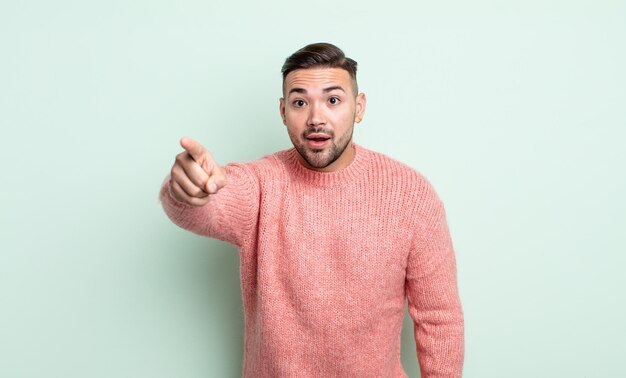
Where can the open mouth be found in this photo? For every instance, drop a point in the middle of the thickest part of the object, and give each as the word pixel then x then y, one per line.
pixel 317 140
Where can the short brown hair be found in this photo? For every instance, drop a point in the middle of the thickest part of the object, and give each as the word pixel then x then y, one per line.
pixel 320 55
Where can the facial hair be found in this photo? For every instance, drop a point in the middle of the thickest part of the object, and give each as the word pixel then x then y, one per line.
pixel 322 158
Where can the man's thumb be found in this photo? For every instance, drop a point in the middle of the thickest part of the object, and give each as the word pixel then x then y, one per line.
pixel 217 179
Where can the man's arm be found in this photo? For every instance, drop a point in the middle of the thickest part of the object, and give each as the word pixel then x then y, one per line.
pixel 432 293
pixel 227 211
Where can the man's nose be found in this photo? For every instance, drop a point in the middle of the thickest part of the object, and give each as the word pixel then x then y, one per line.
pixel 316 115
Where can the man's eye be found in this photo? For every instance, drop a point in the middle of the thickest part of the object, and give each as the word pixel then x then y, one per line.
pixel 333 100
pixel 299 103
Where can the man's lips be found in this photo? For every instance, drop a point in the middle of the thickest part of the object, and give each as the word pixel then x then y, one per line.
pixel 318 136
pixel 317 140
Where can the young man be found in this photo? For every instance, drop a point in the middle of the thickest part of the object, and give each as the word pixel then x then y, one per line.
pixel 333 237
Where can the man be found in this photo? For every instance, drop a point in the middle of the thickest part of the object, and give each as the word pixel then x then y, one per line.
pixel 332 237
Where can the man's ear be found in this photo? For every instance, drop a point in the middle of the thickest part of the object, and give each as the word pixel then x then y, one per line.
pixel 282 110
pixel 360 107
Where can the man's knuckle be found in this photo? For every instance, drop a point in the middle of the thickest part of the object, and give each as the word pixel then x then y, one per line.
pixel 197 192
pixel 176 174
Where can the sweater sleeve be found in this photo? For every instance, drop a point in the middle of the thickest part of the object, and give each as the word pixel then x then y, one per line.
pixel 231 214
pixel 432 293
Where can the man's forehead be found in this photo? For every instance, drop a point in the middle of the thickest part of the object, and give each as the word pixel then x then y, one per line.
pixel 317 77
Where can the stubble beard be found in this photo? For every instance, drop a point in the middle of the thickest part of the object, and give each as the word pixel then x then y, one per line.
pixel 322 158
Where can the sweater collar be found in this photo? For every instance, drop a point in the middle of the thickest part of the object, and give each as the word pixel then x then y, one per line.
pixel 345 176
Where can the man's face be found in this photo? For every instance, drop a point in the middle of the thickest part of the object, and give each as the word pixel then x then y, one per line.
pixel 320 102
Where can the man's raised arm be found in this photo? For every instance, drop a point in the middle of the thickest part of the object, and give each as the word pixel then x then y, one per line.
pixel 207 199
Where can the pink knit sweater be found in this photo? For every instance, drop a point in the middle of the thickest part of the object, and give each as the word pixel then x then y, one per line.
pixel 327 260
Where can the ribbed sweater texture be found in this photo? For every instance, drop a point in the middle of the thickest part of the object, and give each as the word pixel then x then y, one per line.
pixel 327 261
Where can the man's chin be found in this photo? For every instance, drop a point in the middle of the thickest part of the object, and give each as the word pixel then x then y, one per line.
pixel 318 164
pixel 317 159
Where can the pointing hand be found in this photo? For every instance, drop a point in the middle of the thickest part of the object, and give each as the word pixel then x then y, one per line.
pixel 195 175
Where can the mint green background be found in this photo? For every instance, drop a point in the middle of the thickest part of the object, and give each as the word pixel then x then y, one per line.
pixel 514 110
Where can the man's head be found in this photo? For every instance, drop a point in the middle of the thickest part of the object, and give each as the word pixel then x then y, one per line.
pixel 320 55
pixel 321 99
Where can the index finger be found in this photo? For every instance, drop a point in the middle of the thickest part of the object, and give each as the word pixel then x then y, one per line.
pixel 195 149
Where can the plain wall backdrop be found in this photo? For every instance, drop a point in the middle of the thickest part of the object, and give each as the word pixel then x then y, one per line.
pixel 515 111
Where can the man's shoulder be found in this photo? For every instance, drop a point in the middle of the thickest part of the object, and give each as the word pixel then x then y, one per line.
pixel 385 162
pixel 409 181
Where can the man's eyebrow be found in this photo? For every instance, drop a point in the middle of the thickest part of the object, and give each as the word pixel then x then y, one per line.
pixel 297 90
pixel 330 89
